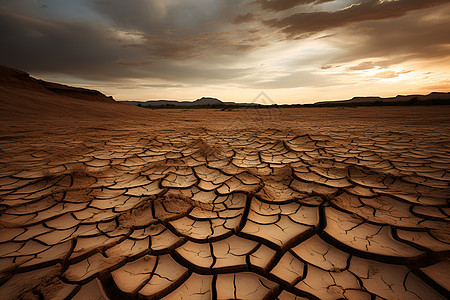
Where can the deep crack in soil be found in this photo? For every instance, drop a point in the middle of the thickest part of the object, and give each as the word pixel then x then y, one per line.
pixel 328 211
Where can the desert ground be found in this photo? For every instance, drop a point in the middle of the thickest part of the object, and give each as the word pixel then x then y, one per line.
pixel 122 202
pixel 320 203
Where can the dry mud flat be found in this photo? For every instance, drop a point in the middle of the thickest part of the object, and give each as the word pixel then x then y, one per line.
pixel 290 204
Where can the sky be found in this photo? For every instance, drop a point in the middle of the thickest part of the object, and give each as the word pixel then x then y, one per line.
pixel 300 51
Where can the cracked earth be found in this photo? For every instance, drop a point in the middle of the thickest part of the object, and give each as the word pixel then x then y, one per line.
pixel 207 206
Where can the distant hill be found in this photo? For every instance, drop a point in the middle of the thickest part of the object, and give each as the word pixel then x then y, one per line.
pixel 433 98
pixel 22 96
pixel 76 93
pixel 204 101
pixel 20 79
pixel 207 101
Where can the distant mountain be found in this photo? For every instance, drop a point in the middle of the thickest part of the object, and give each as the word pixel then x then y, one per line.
pixel 433 98
pixel 204 101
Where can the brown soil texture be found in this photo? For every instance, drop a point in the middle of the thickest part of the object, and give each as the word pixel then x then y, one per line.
pixel 105 200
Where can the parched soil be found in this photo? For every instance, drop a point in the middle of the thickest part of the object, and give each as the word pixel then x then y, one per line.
pixel 312 203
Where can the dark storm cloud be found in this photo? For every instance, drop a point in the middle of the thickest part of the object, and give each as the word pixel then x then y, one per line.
pixel 200 45
pixel 201 42
pixel 281 5
pixel 304 24
pixel 95 51
pixel 40 46
pixel 181 30
pixel 419 35
pixel 181 18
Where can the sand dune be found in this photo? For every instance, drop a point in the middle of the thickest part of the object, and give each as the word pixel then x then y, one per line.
pixel 102 200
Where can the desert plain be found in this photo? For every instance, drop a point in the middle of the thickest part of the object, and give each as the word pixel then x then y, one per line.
pixel 101 200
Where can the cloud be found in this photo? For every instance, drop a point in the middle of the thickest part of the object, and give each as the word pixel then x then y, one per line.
pixel 200 45
pixel 154 17
pixel 179 45
pixel 304 24
pixel 245 18
pixel 326 67
pixel 439 87
pixel 295 80
pixel 182 29
pixel 97 51
pixel 163 85
pixel 389 74
pixel 38 45
pixel 421 35
pixel 366 65
pixel 281 5
pixel 192 72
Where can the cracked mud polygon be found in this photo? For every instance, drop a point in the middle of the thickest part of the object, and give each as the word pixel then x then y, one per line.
pixel 321 204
